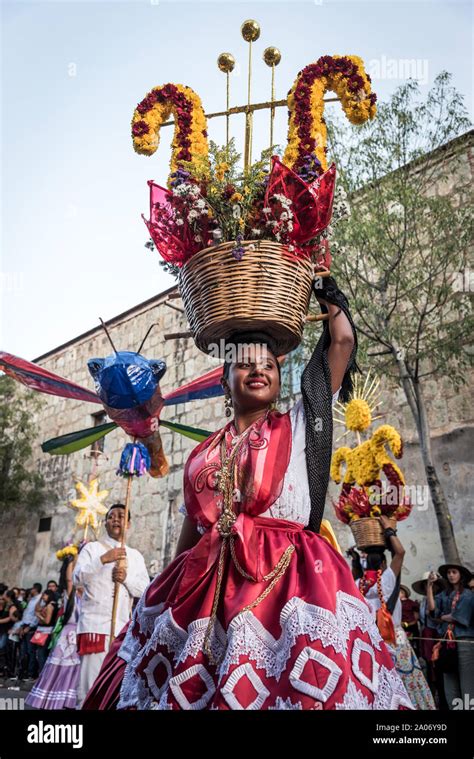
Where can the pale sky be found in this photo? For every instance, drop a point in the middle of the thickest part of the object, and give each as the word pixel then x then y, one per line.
pixel 73 189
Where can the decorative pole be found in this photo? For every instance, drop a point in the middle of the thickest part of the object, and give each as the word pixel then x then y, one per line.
pixel 226 63
pixel 134 462
pixel 272 57
pixel 120 563
pixel 250 32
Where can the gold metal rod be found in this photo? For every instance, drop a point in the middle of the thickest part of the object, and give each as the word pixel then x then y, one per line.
pixel 227 130
pixel 272 110
pixel 249 73
pixel 245 108
pixel 248 140
pixel 248 117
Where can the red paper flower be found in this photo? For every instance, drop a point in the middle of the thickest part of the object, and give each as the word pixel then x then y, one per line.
pixel 311 204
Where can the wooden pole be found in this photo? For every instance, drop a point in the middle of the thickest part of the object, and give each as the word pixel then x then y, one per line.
pixel 122 544
pixel 252 107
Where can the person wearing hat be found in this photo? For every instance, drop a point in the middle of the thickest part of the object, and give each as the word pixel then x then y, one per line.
pixel 410 616
pixel 453 612
pixel 429 636
pixel 380 586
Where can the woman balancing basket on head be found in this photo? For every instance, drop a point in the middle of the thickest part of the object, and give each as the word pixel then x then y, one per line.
pixel 258 610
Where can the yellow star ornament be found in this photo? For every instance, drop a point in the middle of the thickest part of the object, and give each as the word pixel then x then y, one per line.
pixel 90 505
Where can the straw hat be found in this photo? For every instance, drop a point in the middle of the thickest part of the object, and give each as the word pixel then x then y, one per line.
pixel 466 574
pixel 420 585
pixel 406 589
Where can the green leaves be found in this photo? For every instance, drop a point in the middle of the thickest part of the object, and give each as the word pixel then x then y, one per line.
pixel 19 483
pixel 406 242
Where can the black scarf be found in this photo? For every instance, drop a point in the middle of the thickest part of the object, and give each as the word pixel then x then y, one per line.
pixel 317 398
pixel 317 402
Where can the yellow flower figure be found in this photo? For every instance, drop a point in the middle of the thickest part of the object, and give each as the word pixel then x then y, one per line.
pixel 368 459
pixel 90 505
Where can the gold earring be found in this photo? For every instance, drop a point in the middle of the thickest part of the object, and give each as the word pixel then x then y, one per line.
pixel 228 405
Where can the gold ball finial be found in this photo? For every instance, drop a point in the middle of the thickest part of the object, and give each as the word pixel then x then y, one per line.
pixel 272 56
pixel 226 62
pixel 250 30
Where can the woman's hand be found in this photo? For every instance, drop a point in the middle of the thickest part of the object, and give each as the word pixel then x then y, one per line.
pixel 384 521
pixel 319 298
pixel 432 579
pixel 447 618
pixel 340 329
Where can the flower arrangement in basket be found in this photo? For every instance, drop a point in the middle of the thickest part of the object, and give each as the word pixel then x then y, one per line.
pixel 244 243
pixel 364 496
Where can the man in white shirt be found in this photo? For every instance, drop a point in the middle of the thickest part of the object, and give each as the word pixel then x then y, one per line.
pixel 99 565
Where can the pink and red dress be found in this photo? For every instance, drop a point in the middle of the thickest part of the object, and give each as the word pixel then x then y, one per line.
pixel 307 640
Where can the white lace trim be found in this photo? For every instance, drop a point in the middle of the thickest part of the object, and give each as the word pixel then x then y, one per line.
pixel 391 693
pixel 310 689
pixel 176 682
pixel 371 683
pixel 245 670
pixel 286 705
pixel 353 699
pixel 247 636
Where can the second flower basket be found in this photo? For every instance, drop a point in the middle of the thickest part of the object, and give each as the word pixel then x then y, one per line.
pixel 269 289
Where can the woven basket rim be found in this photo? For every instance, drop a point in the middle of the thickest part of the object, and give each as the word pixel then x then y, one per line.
pixel 223 245
pixel 364 519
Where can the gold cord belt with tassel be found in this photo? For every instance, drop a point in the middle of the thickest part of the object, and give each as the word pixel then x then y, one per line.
pixel 226 480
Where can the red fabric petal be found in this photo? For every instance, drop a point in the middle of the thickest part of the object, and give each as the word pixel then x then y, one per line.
pixel 311 203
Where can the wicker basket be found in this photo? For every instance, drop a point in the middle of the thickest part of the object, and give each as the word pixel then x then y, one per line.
pixel 269 289
pixel 368 531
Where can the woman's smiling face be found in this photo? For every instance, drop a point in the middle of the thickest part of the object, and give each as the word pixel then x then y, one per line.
pixel 253 380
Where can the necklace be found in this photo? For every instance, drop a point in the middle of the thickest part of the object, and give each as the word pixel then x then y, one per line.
pixel 226 479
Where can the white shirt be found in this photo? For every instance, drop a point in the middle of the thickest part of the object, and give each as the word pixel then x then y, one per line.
pixel 96 579
pixel 29 617
pixel 388 583
pixel 294 502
